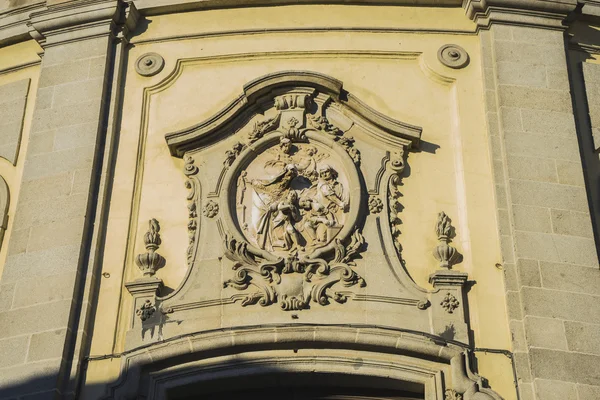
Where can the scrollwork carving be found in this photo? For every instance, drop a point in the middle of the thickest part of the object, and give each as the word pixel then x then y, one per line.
pixel 262 128
pixel 394 205
pixel 294 282
pixel 193 185
pixel 451 394
pixel 151 261
pixel 231 155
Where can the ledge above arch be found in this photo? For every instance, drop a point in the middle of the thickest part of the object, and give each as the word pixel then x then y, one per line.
pixel 258 96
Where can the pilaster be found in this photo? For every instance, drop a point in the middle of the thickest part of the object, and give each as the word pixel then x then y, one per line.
pixel 61 196
pixel 542 204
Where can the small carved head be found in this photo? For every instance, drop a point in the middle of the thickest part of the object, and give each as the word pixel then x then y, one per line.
pixel 327 173
pixel 285 145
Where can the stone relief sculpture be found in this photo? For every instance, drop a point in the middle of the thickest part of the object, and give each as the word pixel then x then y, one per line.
pixel 292 200
pixel 151 261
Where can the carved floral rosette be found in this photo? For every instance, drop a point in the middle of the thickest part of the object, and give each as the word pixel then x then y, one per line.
pixel 290 228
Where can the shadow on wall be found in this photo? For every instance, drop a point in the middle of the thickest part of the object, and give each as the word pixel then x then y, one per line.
pixel 256 382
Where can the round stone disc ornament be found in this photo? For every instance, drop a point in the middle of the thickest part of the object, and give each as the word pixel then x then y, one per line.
pixel 453 56
pixel 149 64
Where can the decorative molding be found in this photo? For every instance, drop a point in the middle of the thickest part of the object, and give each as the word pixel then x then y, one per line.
pixel 149 64
pixel 396 163
pixel 210 209
pixel 308 280
pixel 453 56
pixel 375 204
pixel 444 252
pixel 151 261
pixel 146 310
pixel 449 303
pixel 257 91
pixel 75 20
pixel 549 14
pixel 192 183
pixel 451 394
pixel 433 362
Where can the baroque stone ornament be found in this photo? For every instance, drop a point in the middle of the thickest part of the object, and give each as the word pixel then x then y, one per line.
pixel 193 185
pixel 146 310
pixel 293 282
pixel 292 196
pixel 151 261
pixel 375 205
pixel 210 209
pixel 451 394
pixel 395 207
pixel 453 56
pixel 149 64
pixel 449 303
pixel 444 252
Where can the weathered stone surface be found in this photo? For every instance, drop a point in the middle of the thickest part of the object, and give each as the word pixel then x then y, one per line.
pixel 539 99
pixel 557 304
pixel 548 122
pixel 532 219
pixel 583 338
pixel 46 345
pixel 555 390
pixel 511 119
pixel 522 168
pixel 522 366
pixel 514 73
pixel 528 272
pixel 7 292
pixel 565 366
pixel 545 332
pixel 25 265
pixel 13 350
pixel 587 392
pixel 517 332
pixel 541 146
pixel 538 246
pixel 571 223
pixel 37 318
pixel 571 278
pixel 13 98
pixel 51 288
pixel 569 173
pixel 550 195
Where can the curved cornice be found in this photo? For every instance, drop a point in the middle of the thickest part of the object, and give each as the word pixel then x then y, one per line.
pixel 262 89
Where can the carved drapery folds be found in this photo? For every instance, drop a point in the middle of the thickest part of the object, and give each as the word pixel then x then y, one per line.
pixel 289 199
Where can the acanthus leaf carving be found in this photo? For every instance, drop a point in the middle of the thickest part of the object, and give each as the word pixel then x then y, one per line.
pixel 291 281
pixel 193 185
pixel 262 128
pixel 395 207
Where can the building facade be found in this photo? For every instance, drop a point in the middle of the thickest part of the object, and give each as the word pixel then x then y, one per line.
pixel 299 199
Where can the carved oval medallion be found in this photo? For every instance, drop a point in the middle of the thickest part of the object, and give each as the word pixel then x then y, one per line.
pixel 292 198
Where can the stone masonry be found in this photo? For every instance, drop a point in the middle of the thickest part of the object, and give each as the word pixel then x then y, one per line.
pixel 550 261
pixel 41 284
